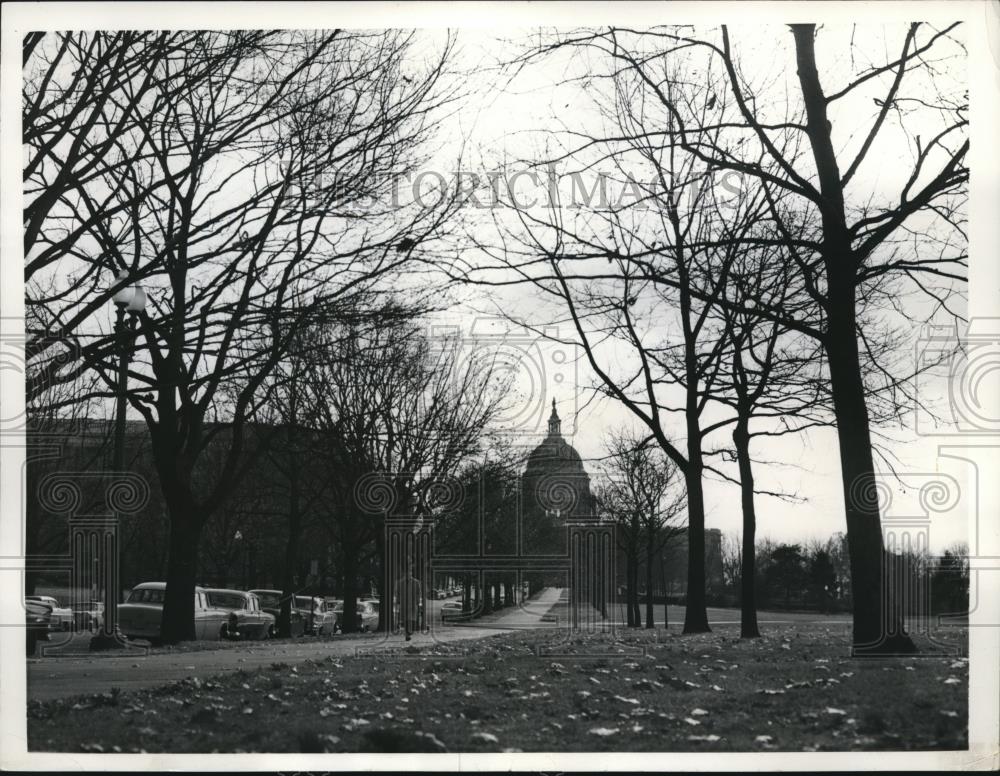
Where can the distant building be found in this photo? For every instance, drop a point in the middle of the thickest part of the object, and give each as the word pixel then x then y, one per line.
pixel 555 488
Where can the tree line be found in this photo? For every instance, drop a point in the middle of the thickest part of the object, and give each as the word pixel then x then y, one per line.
pixel 783 300
pixel 238 177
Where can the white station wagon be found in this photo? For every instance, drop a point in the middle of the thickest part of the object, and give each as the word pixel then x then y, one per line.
pixel 139 617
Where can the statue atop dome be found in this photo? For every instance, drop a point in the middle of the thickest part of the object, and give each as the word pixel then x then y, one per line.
pixel 555 425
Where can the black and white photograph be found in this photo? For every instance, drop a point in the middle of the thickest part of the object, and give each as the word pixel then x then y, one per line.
pixel 500 387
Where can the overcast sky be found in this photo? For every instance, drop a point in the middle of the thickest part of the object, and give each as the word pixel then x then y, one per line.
pixel 506 121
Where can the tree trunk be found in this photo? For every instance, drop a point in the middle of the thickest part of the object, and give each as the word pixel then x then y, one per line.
pixel 487 597
pixel 649 580
pixel 177 622
pixel 748 596
pixel 628 588
pixel 384 612
pixel 695 613
pixel 349 623
pixel 634 618
pixel 663 582
pixel 878 628
pixel 283 627
pixel 878 625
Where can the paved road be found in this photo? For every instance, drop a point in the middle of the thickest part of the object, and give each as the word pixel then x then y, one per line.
pixel 59 677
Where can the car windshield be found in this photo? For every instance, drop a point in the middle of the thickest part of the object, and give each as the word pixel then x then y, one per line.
pixel 305 602
pixel 269 600
pixel 227 600
pixel 146 596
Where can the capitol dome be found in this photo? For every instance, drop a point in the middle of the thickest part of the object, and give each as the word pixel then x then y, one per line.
pixel 555 487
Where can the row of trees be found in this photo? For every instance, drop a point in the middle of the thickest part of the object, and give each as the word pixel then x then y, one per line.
pixel 816 575
pixel 763 268
pixel 224 172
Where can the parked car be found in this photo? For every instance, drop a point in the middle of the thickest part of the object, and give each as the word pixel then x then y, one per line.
pixel 451 610
pixel 37 622
pixel 367 616
pixel 247 620
pixel 140 615
pixel 318 618
pixel 62 616
pixel 88 615
pixel 270 601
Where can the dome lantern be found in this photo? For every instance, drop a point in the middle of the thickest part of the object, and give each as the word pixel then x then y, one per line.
pixel 555 425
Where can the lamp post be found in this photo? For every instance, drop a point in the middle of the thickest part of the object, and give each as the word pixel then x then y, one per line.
pixel 241 556
pixel 129 301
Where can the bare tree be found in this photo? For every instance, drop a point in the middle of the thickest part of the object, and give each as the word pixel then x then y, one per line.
pixel 646 270
pixel 874 250
pixel 645 492
pixel 862 250
pixel 227 211
pixel 397 414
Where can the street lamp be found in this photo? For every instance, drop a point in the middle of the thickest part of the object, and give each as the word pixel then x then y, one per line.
pixel 129 302
pixel 238 539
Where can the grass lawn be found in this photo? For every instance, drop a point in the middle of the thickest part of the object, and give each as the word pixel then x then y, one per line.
pixel 794 689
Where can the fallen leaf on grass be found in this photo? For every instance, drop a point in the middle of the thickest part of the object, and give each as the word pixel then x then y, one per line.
pixel 248 710
pixel 949 713
pixel 832 710
pixel 487 737
pixel 633 701
pixel 691 721
pixel 698 713
pixel 603 731
pixel 952 680
pixel 770 692
pixel 711 738
pixel 763 739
